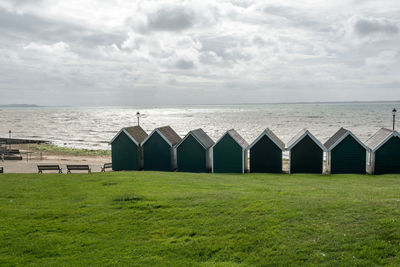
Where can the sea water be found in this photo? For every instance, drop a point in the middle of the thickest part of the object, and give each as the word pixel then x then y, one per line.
pixel 94 127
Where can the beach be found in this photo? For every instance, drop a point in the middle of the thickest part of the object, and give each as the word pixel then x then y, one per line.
pixel 40 157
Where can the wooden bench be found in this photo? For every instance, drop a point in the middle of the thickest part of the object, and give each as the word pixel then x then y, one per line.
pixel 42 168
pixel 1 170
pixel 106 166
pixel 11 154
pixel 78 168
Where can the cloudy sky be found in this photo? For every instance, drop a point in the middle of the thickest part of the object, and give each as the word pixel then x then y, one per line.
pixel 115 52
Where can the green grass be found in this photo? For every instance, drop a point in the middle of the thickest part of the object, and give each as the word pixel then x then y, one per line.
pixel 67 150
pixel 174 219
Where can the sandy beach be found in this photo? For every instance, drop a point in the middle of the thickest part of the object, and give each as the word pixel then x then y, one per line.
pixel 49 157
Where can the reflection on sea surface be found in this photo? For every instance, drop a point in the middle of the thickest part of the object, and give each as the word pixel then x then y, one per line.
pixel 94 127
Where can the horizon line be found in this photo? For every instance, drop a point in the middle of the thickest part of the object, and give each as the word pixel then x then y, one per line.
pixel 207 104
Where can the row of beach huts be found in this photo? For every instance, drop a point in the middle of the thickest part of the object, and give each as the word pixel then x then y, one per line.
pixel 163 150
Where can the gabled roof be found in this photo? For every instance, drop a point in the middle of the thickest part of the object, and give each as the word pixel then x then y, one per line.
pixel 135 133
pixel 267 132
pixel 338 137
pixel 238 139
pixel 298 137
pixel 201 137
pixel 167 133
pixel 380 138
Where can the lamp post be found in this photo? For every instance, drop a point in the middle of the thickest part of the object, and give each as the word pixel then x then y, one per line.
pixel 138 117
pixel 394 116
pixel 9 139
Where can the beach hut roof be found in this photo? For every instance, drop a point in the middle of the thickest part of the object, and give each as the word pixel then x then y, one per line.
pixel 298 137
pixel 135 133
pixel 238 139
pixel 167 133
pixel 201 137
pixel 341 134
pixel 271 136
pixel 380 138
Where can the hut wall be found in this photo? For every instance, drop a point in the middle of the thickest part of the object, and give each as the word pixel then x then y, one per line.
pixel 246 167
pixel 209 160
pixel 191 156
pixel 306 157
pixel 227 156
pixel 124 153
pixel 265 157
pixel 387 157
pixel 328 161
pixel 174 161
pixel 141 158
pixel 348 157
pixel 157 154
pixel 370 162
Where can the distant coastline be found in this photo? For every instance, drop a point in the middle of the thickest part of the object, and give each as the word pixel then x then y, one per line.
pixel 20 106
pixel 300 102
pixel 144 106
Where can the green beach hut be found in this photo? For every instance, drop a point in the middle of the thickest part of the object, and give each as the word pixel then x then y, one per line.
pixel 384 154
pixel 266 153
pixel 305 153
pixel 345 153
pixel 126 149
pixel 159 149
pixel 194 152
pixel 230 154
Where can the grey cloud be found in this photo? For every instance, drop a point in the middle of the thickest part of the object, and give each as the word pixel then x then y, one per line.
pixel 290 14
pixel 24 3
pixel 226 47
pixel 297 17
pixel 184 64
pixel 278 52
pixel 171 19
pixel 371 26
pixel 24 27
pixel 259 41
pixel 243 3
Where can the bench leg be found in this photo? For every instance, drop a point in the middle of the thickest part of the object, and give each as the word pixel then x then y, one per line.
pixel 60 171
pixel 89 171
pixel 39 171
pixel 68 171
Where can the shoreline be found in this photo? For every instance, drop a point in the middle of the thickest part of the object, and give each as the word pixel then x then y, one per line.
pixel 16 141
pixel 46 153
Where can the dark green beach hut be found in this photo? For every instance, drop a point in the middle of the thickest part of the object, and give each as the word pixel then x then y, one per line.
pixel 230 154
pixel 345 153
pixel 384 154
pixel 126 149
pixel 159 149
pixel 266 153
pixel 305 153
pixel 194 152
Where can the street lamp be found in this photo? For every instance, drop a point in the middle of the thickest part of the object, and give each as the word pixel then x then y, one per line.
pixel 9 139
pixel 138 117
pixel 394 116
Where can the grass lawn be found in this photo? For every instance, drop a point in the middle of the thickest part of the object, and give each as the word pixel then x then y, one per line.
pixel 153 218
pixel 49 148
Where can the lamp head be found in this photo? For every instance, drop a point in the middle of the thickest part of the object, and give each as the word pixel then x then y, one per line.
pixel 394 112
